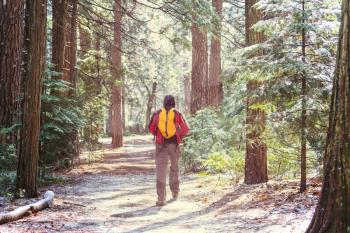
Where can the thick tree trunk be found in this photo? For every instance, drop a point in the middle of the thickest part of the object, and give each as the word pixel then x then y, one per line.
pixel 199 76
pixel 117 119
pixel 256 150
pixel 59 24
pixel 333 210
pixel 64 43
pixel 215 87
pixel 70 71
pixel 71 44
pixel 303 111
pixel 150 103
pixel 28 209
pixel 35 43
pixel 11 42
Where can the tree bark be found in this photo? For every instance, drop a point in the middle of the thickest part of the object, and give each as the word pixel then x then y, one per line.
pixel 333 210
pixel 28 209
pixel 71 44
pixel 59 24
pixel 71 59
pixel 199 76
pixel 303 109
pixel 187 90
pixel 215 86
pixel 34 62
pixel 150 103
pixel 256 150
pixel 117 119
pixel 11 42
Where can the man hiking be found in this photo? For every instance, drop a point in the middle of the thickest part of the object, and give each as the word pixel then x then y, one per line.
pixel 168 127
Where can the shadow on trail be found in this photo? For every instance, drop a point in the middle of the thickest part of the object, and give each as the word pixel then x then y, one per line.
pixel 152 210
pixel 229 197
pixel 136 192
pixel 132 159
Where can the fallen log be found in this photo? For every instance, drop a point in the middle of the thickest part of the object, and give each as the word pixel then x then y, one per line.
pixel 28 209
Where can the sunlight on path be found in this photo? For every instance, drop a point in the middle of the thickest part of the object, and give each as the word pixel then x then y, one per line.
pixel 117 194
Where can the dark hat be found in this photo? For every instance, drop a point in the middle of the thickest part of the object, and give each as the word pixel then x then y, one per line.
pixel 169 102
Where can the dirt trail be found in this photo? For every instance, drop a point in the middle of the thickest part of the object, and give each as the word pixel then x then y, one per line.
pixel 117 194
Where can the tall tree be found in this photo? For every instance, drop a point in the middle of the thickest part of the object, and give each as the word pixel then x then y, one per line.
pixel 71 43
pixel 256 150
pixel 333 210
pixel 11 30
pixel 199 76
pixel 59 21
pixel 215 87
pixel 64 43
pixel 71 58
pixel 117 118
pixel 303 104
pixel 34 61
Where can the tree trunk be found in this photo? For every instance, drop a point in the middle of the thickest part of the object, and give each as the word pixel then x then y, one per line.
pixel 71 59
pixel 109 130
pixel 187 90
pixel 256 150
pixel 199 76
pixel 150 102
pixel 59 20
pixel 215 87
pixel 333 210
pixel 303 110
pixel 123 104
pixel 71 44
pixel 28 209
pixel 11 42
pixel 35 45
pixel 117 120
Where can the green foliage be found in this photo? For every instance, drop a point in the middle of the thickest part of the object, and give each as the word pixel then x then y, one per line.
pixel 206 136
pixel 94 112
pixel 213 133
pixel 95 98
pixel 232 163
pixel 49 179
pixel 8 164
pixel 8 158
pixel 62 118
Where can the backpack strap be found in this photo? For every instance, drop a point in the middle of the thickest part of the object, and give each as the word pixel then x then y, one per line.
pixel 176 114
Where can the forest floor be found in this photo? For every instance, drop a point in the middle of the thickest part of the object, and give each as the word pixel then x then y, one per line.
pixel 117 194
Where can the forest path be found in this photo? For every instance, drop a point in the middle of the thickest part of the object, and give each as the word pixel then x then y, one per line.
pixel 117 194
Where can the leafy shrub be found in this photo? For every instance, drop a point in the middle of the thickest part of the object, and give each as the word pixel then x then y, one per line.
pixel 62 119
pixel 232 164
pixel 8 163
pixel 213 133
pixel 8 158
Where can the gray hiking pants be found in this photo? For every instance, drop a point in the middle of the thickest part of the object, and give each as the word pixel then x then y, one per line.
pixel 164 153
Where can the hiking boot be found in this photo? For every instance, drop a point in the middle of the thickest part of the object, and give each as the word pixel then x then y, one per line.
pixel 160 203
